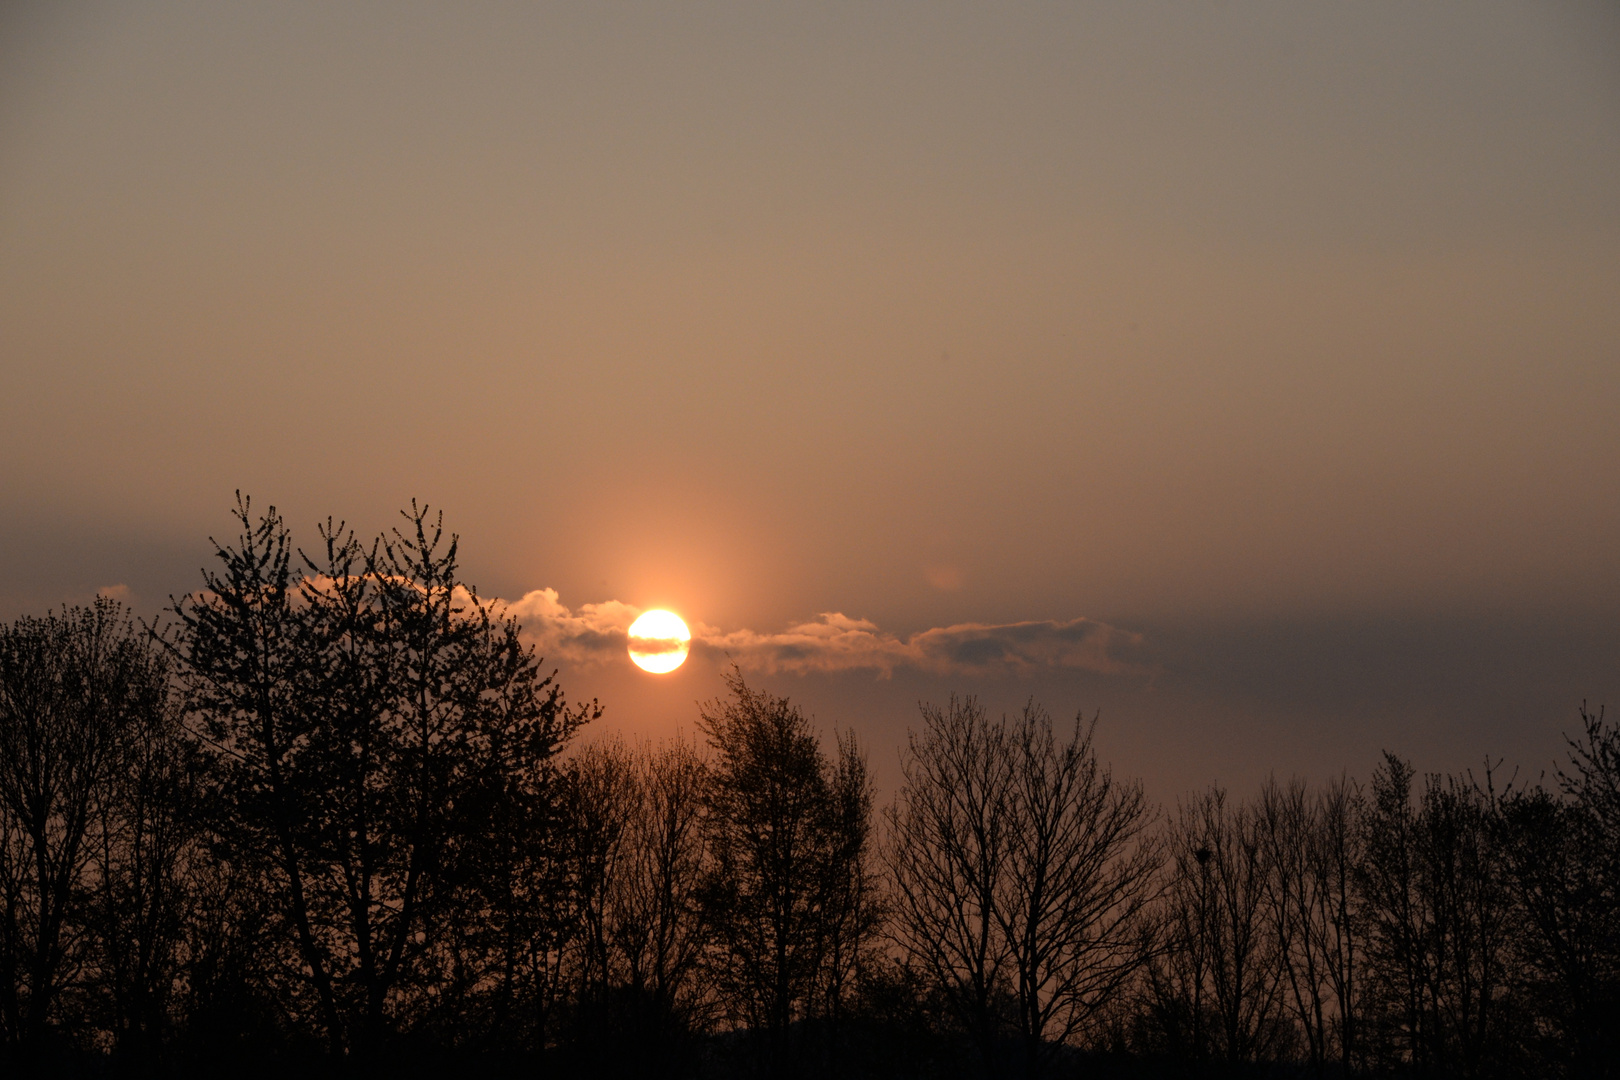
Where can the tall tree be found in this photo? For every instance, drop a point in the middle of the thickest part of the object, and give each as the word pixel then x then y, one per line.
pixel 1310 849
pixel 785 849
pixel 1560 848
pixel 854 910
pixel 363 721
pixel 606 802
pixel 1022 873
pixel 144 859
pixel 1081 874
pixel 1439 918
pixel 72 686
pixel 950 840
pixel 636 836
pixel 662 931
pixel 1216 984
pixel 1336 855
pixel 638 831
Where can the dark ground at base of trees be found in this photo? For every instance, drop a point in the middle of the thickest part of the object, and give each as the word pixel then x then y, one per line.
pixel 867 1054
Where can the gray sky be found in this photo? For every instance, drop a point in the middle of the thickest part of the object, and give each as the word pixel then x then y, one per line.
pixel 1281 340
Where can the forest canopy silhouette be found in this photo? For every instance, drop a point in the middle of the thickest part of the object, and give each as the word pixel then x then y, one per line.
pixel 329 813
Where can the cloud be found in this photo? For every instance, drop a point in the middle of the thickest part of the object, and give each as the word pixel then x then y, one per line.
pixel 593 634
pixel 598 633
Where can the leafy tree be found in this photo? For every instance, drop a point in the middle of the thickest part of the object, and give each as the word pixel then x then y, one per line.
pixel 364 724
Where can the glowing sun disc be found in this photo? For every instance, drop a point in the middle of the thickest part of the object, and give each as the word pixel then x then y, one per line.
pixel 659 641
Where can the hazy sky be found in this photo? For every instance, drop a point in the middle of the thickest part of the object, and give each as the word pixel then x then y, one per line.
pixel 1280 341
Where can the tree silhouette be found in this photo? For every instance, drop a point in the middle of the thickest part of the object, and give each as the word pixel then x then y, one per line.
pixel 361 725
pixel 1311 848
pixel 636 822
pixel 329 818
pixel 786 832
pixel 1021 874
pixel 76 689
pixel 1217 982
pixel 950 839
pixel 1438 923
pixel 1560 850
pixel 144 855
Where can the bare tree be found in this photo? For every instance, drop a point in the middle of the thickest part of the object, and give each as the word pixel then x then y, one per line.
pixel 950 840
pixel 1020 873
pixel 1438 921
pixel 1562 852
pixel 1590 944
pixel 1336 857
pixel 662 932
pixel 1309 849
pixel 638 835
pixel 1286 834
pixel 605 798
pixel 144 850
pixel 71 686
pixel 1216 985
pixel 852 909
pixel 1080 877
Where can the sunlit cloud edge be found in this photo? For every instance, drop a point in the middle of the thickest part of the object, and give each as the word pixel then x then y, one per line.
pixel 598 633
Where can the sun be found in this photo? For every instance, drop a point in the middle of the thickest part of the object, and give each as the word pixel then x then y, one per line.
pixel 659 641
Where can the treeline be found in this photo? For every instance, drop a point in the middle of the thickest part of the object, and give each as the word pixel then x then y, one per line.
pixel 328 817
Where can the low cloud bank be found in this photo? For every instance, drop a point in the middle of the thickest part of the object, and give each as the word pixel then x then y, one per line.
pixel 598 633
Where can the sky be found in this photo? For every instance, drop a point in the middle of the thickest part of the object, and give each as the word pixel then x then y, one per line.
pixel 1244 373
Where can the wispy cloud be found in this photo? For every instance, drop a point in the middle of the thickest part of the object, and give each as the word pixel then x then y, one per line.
pixel 597 633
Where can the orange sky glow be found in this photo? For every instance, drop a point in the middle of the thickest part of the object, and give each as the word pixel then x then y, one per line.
pixel 1247 372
